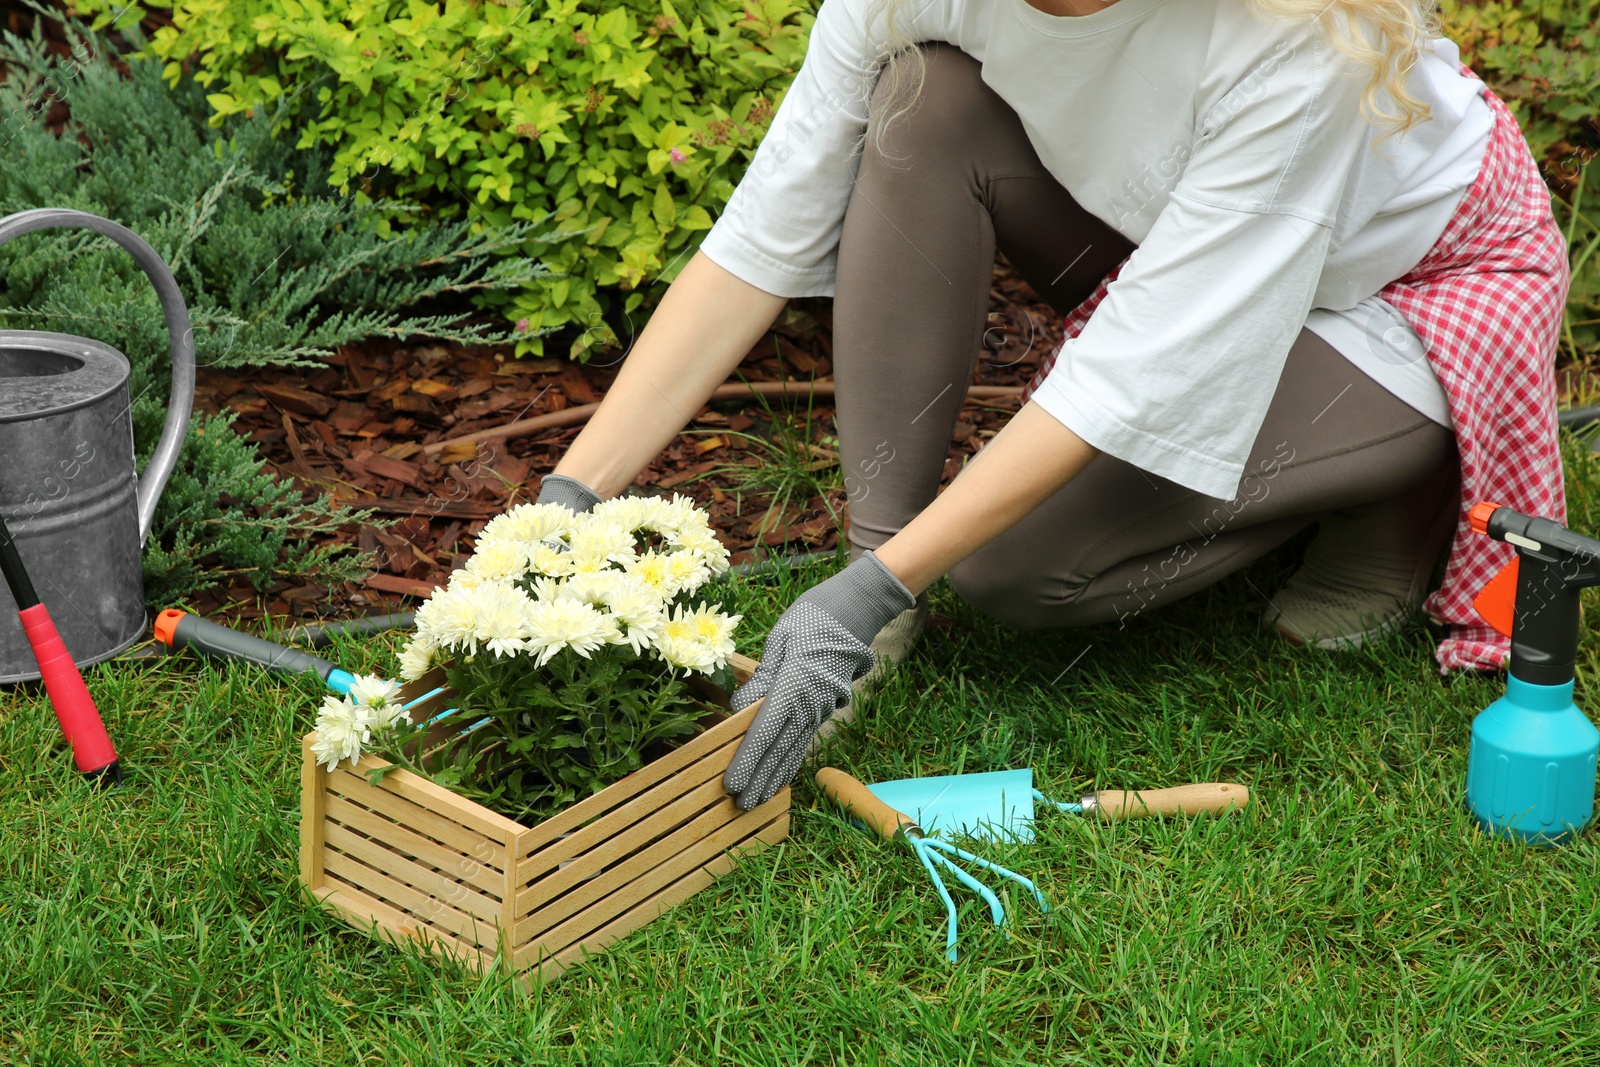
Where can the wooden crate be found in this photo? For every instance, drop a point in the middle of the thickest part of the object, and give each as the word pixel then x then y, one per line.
pixel 409 860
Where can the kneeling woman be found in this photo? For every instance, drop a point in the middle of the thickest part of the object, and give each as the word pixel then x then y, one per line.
pixel 1309 274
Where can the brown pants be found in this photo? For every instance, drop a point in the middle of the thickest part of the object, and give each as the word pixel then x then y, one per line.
pixel 916 258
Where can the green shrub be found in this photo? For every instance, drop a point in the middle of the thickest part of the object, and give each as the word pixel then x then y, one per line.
pixel 275 271
pixel 1542 58
pixel 623 119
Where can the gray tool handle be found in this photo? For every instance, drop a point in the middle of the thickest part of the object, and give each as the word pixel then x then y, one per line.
pixel 219 641
pixel 181 402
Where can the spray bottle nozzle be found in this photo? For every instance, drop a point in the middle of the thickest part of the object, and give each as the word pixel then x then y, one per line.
pixel 1552 564
pixel 1544 538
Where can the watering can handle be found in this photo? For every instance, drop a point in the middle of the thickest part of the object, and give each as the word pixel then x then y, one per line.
pixel 181 403
pixel 850 794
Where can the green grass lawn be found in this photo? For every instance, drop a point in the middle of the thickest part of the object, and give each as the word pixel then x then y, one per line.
pixel 1353 915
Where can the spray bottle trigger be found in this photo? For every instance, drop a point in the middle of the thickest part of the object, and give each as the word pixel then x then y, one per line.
pixel 1496 602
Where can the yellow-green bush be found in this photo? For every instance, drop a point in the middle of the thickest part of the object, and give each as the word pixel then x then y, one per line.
pixel 624 118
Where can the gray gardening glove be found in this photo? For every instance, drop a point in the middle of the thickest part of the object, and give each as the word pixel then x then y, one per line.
pixel 816 649
pixel 568 492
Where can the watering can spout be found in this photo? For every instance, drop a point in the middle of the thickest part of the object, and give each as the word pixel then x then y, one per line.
pixel 181 402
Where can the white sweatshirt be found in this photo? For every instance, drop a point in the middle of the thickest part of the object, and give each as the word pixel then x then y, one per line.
pixel 1229 148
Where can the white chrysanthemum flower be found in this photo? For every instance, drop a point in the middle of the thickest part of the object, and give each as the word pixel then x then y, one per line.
pixel 635 605
pixel 371 691
pixel 592 587
pixel 680 645
pixel 597 544
pixel 714 630
pixel 553 625
pixel 499 561
pixel 704 541
pixel 342 728
pixel 499 619
pixel 464 579
pixel 685 512
pixel 628 512
pixel 654 568
pixel 687 570
pixel 416 658
pixel 447 619
pixel 545 588
pixel 550 558
pixel 391 715
pixel 527 523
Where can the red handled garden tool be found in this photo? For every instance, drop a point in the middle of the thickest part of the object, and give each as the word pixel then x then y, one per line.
pixel 996 805
pixel 63 682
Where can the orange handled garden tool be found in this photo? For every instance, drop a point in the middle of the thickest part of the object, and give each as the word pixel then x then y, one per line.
pixel 995 805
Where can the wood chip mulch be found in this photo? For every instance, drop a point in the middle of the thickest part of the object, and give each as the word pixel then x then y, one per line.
pixel 358 430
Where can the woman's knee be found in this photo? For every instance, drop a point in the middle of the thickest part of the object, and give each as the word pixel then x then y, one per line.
pixel 1004 591
pixel 951 98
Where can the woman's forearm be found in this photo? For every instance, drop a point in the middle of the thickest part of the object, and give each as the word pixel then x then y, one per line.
pixel 705 324
pixel 1028 460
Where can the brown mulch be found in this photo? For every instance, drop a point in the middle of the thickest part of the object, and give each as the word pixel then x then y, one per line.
pixel 358 430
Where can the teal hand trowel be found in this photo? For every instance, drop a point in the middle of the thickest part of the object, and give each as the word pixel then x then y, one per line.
pixel 998 805
pixel 994 806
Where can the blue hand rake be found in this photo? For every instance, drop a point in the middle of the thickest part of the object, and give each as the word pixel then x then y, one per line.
pixel 996 805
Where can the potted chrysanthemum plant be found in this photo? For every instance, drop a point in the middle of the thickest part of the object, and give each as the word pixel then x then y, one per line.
pixel 575 648
pixel 549 777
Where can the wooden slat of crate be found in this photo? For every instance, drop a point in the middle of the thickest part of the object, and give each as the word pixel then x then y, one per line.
pixel 690 777
pixel 449 861
pixel 769 833
pixel 451 890
pixel 743 667
pixel 413 901
pixel 372 916
pixel 410 691
pixel 484 848
pixel 313 812
pixel 590 808
pixel 436 798
pixel 649 822
pixel 647 882
pixel 625 844
pixel 639 849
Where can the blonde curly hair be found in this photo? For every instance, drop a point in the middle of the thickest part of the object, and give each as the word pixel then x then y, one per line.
pixel 1384 36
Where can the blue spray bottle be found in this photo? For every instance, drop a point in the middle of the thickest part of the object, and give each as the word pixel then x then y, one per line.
pixel 1531 770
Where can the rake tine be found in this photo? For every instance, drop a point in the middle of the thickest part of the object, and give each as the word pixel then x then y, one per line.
pixel 944 895
pixel 997 911
pixel 1004 872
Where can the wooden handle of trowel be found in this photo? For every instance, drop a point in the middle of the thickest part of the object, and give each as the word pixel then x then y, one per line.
pixel 1178 800
pixel 850 794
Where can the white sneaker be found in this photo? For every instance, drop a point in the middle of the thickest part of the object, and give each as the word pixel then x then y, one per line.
pixel 1365 573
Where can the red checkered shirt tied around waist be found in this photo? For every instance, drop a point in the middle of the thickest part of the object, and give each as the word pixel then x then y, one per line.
pixel 1487 303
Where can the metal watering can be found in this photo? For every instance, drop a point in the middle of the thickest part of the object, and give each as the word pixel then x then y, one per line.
pixel 68 488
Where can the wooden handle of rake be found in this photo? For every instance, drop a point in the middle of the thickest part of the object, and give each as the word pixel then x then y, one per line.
pixel 1178 800
pixel 855 798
